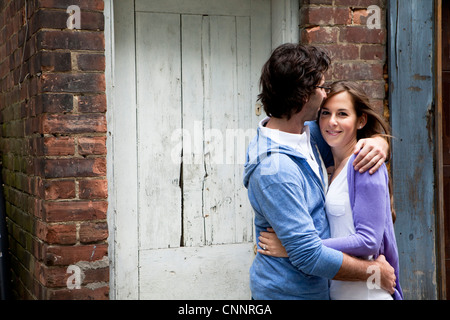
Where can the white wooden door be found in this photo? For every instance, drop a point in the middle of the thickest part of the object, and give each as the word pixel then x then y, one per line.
pixel 191 68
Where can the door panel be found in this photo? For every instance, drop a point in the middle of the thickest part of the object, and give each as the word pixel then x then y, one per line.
pixel 216 113
pixel 203 7
pixel 222 205
pixel 446 131
pixel 158 82
pixel 211 272
pixel 196 72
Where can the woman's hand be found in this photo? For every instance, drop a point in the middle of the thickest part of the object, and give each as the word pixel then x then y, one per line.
pixel 271 245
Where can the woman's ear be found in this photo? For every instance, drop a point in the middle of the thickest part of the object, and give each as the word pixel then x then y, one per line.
pixel 362 121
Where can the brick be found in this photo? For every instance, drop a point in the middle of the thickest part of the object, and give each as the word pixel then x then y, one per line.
pixel 59 189
pixel 373 52
pixel 360 3
pixel 317 34
pixel 57 234
pixel 93 189
pixel 357 71
pixel 92 145
pixel 59 146
pixel 378 105
pixel 62 211
pixel 374 89
pixel 339 52
pixel 77 82
pixel 74 123
pixel 51 276
pixel 32 126
pixel 96 275
pixel 67 255
pixel 84 293
pixel 91 62
pixel 92 20
pixel 65 168
pixel 70 39
pixel 55 61
pixel 306 2
pixel 360 16
pixel 93 232
pixel 325 16
pixel 53 103
pixel 52 19
pixel 57 276
pixel 361 34
pixel 92 103
pixel 63 4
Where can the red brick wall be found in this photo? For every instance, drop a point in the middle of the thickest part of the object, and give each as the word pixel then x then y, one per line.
pixel 358 53
pixel 53 147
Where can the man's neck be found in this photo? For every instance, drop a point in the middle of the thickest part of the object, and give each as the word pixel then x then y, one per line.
pixel 293 125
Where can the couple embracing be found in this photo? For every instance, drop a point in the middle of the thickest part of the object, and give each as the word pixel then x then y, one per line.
pixel 320 237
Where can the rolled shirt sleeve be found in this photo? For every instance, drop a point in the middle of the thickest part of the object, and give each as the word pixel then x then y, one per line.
pixel 284 208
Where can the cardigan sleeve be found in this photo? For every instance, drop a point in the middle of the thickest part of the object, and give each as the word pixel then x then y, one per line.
pixel 368 203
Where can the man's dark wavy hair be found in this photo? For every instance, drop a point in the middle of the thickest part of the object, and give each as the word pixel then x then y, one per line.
pixel 289 78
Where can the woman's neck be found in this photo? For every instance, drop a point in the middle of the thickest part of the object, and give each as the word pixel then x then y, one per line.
pixel 340 157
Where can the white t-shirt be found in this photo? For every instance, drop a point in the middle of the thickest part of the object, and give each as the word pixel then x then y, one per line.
pixel 340 218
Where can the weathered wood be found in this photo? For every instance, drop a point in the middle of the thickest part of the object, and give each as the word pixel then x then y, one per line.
pixel 207 273
pixel 205 7
pixel 285 19
pixel 158 77
pixel 123 155
pixel 261 48
pixel 411 85
pixel 194 36
pixel 441 232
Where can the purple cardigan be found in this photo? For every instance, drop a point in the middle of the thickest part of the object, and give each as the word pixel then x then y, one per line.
pixel 371 207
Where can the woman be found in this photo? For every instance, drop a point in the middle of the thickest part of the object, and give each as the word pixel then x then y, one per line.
pixel 358 205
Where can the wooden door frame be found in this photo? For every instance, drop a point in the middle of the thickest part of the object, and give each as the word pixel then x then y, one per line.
pixel 440 223
pixel 429 91
pixel 124 277
pixel 416 93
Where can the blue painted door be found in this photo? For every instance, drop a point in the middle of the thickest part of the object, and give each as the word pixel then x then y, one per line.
pixel 411 83
pixel 446 130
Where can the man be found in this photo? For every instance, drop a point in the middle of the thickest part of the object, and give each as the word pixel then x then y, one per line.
pixel 286 181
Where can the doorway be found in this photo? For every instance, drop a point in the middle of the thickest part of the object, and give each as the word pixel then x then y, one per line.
pixel 445 41
pixel 182 90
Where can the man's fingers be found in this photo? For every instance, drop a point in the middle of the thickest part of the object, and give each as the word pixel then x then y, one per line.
pixel 362 160
pixel 359 145
pixel 369 156
pixel 376 166
pixel 366 165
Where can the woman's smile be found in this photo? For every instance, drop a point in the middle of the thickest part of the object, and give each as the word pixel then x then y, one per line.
pixel 333 132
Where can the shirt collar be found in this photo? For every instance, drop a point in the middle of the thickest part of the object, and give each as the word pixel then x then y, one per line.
pixel 292 140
